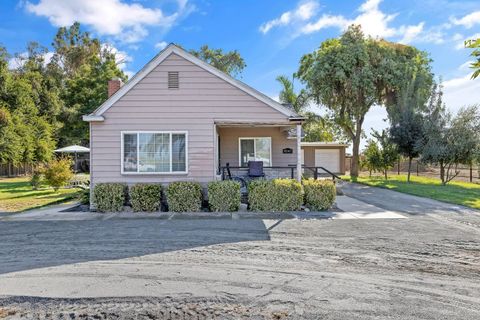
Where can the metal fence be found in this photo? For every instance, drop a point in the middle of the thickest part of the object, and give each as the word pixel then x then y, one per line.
pixel 466 172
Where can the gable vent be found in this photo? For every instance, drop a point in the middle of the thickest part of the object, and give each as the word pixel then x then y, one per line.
pixel 173 80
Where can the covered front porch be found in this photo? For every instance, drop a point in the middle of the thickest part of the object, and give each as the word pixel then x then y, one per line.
pixel 277 145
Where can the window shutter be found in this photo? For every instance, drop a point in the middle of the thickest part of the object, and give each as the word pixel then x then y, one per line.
pixel 173 80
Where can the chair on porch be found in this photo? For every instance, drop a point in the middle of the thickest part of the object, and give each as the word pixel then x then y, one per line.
pixel 255 169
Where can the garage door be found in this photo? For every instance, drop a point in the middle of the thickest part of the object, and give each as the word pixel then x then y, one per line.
pixel 328 158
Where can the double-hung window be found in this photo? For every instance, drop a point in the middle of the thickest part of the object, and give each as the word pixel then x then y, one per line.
pixel 154 152
pixel 255 149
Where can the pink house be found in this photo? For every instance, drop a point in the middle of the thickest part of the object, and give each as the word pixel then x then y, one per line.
pixel 179 118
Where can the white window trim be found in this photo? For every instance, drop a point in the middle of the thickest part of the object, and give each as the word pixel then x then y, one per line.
pixel 254 148
pixel 122 133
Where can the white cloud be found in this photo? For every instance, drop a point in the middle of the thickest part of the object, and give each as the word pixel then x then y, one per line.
pixel 303 12
pixel 326 21
pixel 411 33
pixel 19 60
pixel 373 20
pixel 121 57
pixel 161 45
pixel 461 91
pixel 129 73
pixel 125 21
pixel 457 37
pixel 465 66
pixel 469 20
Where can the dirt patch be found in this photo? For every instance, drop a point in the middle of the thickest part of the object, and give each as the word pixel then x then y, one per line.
pixel 143 308
pixel 423 267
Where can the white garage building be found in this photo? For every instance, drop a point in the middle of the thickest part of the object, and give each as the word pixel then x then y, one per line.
pixel 330 155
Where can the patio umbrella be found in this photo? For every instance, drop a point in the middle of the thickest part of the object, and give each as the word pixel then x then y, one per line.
pixel 73 149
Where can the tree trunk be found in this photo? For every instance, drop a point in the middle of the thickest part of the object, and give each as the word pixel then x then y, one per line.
pixel 409 168
pixel 386 175
pixel 355 157
pixel 442 173
pixel 356 149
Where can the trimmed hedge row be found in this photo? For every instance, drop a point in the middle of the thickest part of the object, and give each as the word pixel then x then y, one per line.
pixel 224 195
pixel 319 194
pixel 275 195
pixel 185 196
pixel 146 197
pixel 110 197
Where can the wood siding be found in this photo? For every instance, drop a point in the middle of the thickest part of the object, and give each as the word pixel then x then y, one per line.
pixel 229 139
pixel 202 99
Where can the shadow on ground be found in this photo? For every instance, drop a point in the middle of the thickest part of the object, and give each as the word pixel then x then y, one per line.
pixel 36 244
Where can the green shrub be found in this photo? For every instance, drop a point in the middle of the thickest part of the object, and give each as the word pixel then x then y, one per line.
pixel 146 197
pixel 275 195
pixel 319 194
pixel 37 178
pixel 109 197
pixel 184 196
pixel 224 195
pixel 58 172
pixel 85 196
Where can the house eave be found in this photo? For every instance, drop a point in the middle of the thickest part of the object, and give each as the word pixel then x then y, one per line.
pixel 297 119
pixel 93 118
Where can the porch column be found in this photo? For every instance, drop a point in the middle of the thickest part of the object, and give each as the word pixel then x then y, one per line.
pixel 299 152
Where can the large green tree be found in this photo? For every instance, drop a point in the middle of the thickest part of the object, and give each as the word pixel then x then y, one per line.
pixel 316 127
pixel 405 112
pixel 230 62
pixel 350 74
pixel 449 141
pixel 82 66
pixel 26 129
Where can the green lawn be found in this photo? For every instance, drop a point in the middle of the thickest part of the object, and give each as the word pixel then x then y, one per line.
pixel 17 195
pixel 458 192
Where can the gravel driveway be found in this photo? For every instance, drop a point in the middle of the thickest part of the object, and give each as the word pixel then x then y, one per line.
pixel 422 267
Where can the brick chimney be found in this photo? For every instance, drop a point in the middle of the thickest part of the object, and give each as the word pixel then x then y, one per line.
pixel 114 85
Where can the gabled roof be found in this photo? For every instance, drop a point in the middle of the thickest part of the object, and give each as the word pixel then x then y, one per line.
pixel 159 58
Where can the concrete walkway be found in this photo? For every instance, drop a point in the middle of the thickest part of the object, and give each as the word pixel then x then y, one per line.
pixel 359 202
pixel 347 208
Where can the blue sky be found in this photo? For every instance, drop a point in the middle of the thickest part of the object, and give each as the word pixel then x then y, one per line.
pixel 271 35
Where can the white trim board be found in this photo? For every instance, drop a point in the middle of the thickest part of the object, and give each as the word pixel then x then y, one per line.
pixel 173 49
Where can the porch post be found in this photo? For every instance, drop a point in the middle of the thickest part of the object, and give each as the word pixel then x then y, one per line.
pixel 299 152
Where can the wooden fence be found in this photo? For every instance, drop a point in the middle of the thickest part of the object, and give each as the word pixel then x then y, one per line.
pixel 9 170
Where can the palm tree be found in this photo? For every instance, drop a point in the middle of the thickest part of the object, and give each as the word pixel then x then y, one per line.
pixel 316 128
pixel 298 101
